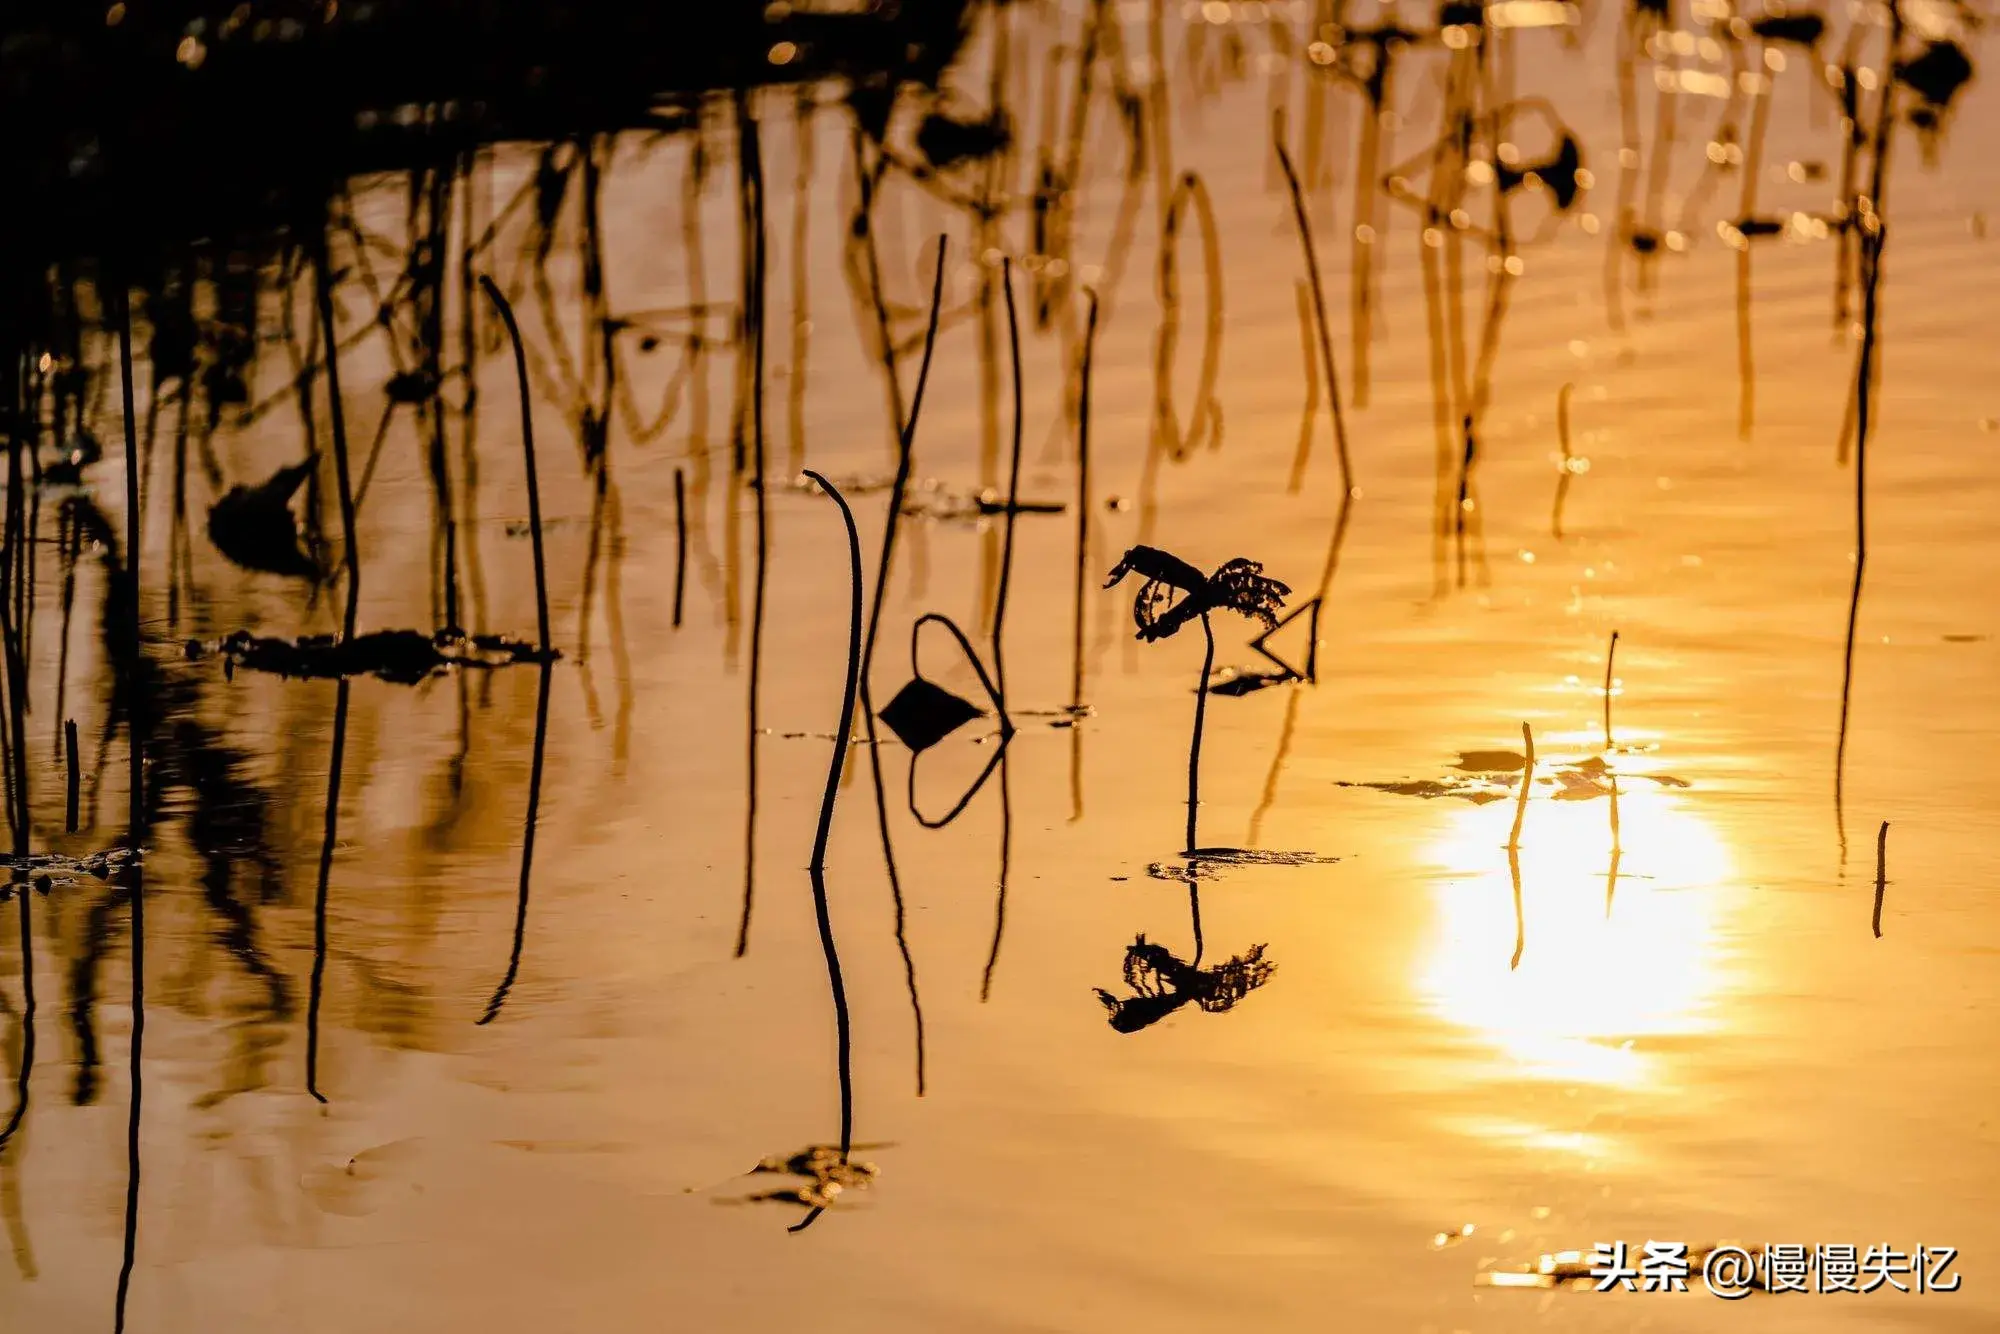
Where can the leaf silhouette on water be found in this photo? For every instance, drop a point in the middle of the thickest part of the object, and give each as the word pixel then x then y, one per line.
pixel 1162 983
pixel 254 526
pixel 1235 681
pixel 946 141
pixel 1936 77
pixel 403 657
pixel 924 713
pixel 1491 761
pixel 1492 775
pixel 1558 174
pixel 1794 29
pixel 414 386
pixel 1238 585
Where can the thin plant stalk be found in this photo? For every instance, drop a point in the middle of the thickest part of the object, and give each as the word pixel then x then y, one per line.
pixel 74 774
pixel 680 543
pixel 136 819
pixel 1881 873
pixel 817 868
pixel 1194 743
pixel 506 309
pixel 1000 633
pixel 1527 777
pixel 1609 659
pixel 535 764
pixel 1082 502
pixel 351 554
pixel 1319 314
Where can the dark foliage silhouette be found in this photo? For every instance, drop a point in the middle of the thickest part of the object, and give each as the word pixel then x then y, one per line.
pixel 1239 585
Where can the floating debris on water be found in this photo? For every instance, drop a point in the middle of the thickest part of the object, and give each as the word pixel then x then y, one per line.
pixel 43 871
pixel 929 498
pixel 1207 863
pixel 828 1175
pixel 1490 775
pixel 403 657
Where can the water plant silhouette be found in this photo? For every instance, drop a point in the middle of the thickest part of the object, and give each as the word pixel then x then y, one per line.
pixel 254 525
pixel 351 558
pixel 547 650
pixel 1881 873
pixel 817 868
pixel 1569 465
pixel 1320 324
pixel 906 426
pixel 137 723
pixel 1514 845
pixel 1238 585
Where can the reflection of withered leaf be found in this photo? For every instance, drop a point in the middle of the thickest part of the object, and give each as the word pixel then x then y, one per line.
pixel 1162 982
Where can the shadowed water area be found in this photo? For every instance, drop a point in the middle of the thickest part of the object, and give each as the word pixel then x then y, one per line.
pixel 988 666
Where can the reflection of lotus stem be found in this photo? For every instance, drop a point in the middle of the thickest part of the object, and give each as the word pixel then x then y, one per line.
pixel 1194 745
pixel 1082 500
pixel 1527 777
pixel 506 310
pixel 817 868
pixel 1881 873
pixel 75 776
pixel 1609 659
pixel 1319 314
pixel 135 721
pixel 1563 480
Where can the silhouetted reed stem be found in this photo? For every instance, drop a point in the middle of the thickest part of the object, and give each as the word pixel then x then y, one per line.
pixel 1319 312
pixel 1881 873
pixel 75 776
pixel 337 425
pixel 1005 582
pixel 750 168
pixel 680 543
pixel 1082 502
pixel 1610 658
pixel 1527 777
pixel 1194 743
pixel 136 722
pixel 906 443
pixel 1874 228
pixel 817 868
pixel 506 310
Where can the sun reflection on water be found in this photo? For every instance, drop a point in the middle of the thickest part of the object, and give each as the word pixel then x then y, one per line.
pixel 1596 980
